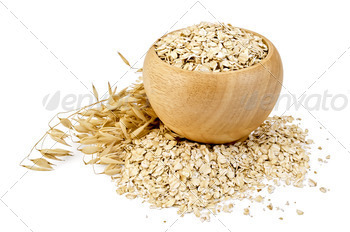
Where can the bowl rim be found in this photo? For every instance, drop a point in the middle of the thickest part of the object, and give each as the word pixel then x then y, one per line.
pixel 268 43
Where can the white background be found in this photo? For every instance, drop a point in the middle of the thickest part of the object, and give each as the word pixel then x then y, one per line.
pixel 50 46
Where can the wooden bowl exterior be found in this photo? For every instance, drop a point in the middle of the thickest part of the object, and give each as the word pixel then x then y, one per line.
pixel 213 107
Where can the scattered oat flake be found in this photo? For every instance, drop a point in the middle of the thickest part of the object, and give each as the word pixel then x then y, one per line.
pixel 299 212
pixel 246 211
pixel 328 157
pixel 281 218
pixel 205 217
pixel 259 198
pixel 226 209
pixel 323 189
pixel 270 207
pixel 312 183
pixel 271 188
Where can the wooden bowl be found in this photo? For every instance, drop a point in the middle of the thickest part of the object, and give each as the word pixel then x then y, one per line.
pixel 213 107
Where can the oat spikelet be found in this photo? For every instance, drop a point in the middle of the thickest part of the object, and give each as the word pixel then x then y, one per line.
pixel 110 123
pixel 110 92
pixel 95 92
pixel 124 59
pixel 91 150
pixel 59 140
pixel 66 122
pixel 34 168
pixel 42 163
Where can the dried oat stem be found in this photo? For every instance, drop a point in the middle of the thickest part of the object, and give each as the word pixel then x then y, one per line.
pixel 57 124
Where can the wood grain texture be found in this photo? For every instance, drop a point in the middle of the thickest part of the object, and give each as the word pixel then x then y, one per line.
pixel 213 107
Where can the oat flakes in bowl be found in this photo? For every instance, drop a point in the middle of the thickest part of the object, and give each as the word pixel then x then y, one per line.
pixel 215 47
